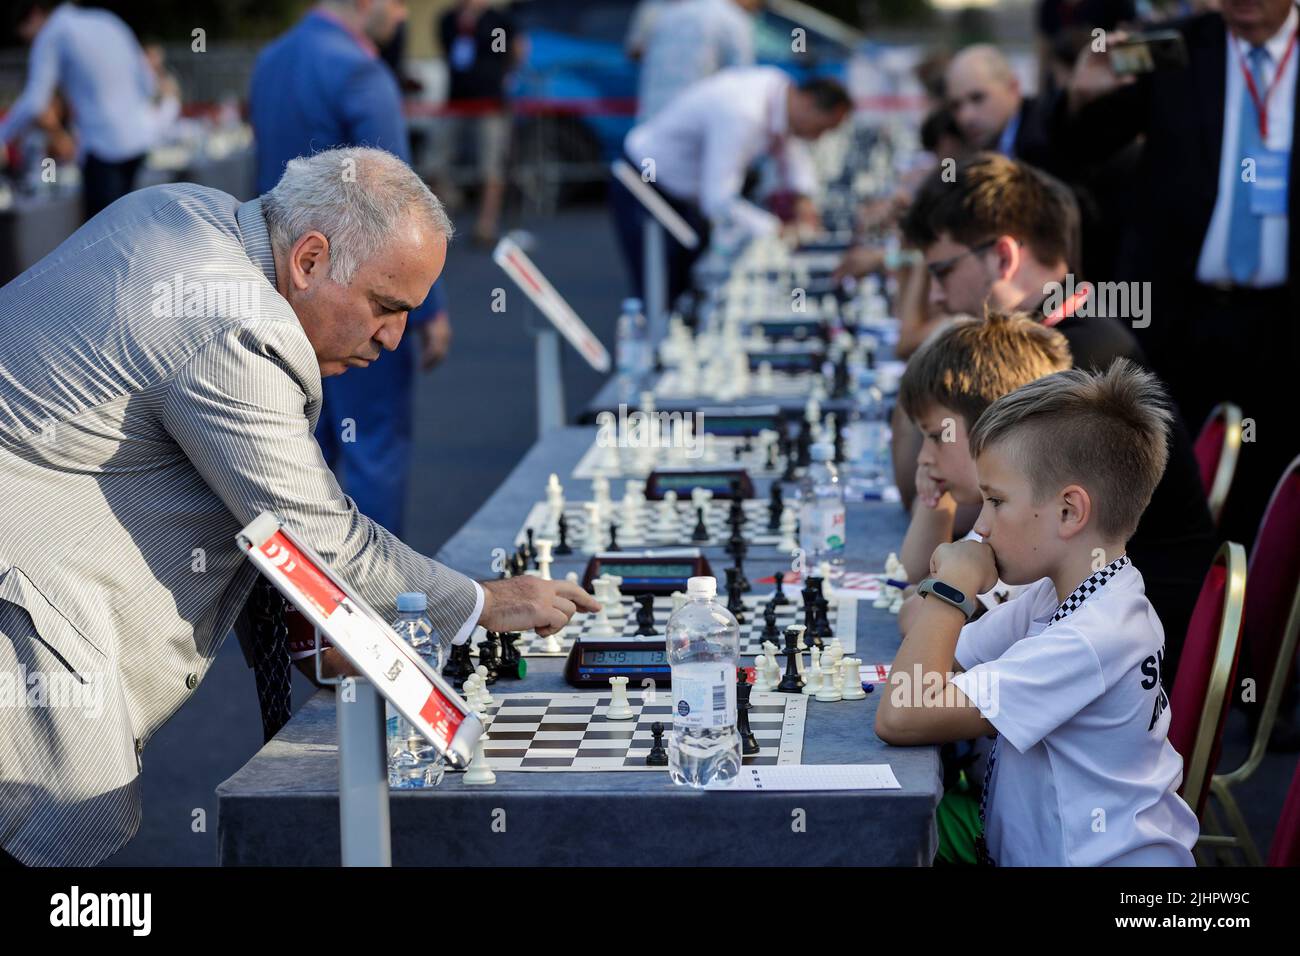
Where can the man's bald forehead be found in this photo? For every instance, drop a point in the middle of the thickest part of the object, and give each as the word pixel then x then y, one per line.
pixel 982 61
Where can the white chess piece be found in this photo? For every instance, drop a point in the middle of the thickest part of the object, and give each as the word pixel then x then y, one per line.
pixel 679 600
pixel 830 687
pixel 617 612
pixel 760 674
pixel 836 650
pixel 668 519
pixel 600 625
pixel 766 380
pixel 619 708
pixel 591 542
pixel 544 546
pixel 789 522
pixel 851 679
pixel 484 693
pixel 554 497
pixel 551 643
pixel 824 569
pixel 479 772
pixel 812 680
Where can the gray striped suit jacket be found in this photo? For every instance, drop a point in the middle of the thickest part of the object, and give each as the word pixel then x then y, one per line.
pixel 156 394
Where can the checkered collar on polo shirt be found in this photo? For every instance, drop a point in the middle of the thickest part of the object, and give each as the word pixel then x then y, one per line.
pixel 1089 587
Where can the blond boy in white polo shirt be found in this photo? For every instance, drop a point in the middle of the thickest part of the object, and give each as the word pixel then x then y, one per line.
pixel 1067 674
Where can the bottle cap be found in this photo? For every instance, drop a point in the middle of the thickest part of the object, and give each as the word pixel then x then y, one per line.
pixel 822 451
pixel 412 601
pixel 632 304
pixel 702 587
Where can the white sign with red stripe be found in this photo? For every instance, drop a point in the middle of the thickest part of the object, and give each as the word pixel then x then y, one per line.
pixel 655 204
pixel 528 277
pixel 370 645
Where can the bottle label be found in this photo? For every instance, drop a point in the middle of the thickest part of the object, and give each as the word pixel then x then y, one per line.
pixel 704 698
pixel 824 528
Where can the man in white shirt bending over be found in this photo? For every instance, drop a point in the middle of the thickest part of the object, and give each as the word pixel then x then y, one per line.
pixel 94 59
pixel 1068 674
pixel 697 150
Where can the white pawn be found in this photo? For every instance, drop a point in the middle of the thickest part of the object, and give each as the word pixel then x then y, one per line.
pixel 789 521
pixel 812 680
pixel 480 771
pixel 824 569
pixel 766 381
pixel 667 526
pixel 760 674
pixel 619 708
pixel 592 539
pixel 679 601
pixel 851 679
pixel 836 650
pixel 830 689
pixel 485 695
pixel 551 643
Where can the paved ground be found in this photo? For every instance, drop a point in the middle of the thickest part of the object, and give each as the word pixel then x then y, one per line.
pixel 476 416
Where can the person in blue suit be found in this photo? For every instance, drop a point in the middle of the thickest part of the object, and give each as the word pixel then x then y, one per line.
pixel 319 86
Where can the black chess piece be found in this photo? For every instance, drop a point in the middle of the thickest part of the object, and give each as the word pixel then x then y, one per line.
pixel 775 507
pixel 701 532
pixel 613 538
pixel 487 656
pixel 810 635
pixel 791 682
pixel 838 442
pixel 779 596
pixel 513 664
pixel 645 615
pixel 460 664
pixel 803 446
pixel 791 457
pixel 770 463
pixel 748 742
pixel 658 756
pixel 840 388
pixel 816 581
pixel 742 548
pixel 770 631
pixel 562 547
pixel 532 548
pixel 735 602
pixel 823 620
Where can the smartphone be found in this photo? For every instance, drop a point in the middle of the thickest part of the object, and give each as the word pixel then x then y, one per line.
pixel 1148 52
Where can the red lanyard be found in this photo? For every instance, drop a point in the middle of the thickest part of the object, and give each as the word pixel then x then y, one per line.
pixel 1068 307
pixel 1261 106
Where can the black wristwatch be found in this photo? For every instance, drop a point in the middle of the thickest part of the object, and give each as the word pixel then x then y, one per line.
pixel 948 595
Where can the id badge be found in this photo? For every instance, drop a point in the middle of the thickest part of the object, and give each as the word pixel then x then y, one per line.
pixel 1269 193
pixel 462 52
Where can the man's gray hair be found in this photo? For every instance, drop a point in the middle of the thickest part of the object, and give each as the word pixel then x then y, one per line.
pixel 357 198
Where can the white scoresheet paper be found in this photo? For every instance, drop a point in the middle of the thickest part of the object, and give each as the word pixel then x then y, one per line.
pixel 842 776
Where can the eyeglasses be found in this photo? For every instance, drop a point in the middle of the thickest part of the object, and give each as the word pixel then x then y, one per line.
pixel 939 270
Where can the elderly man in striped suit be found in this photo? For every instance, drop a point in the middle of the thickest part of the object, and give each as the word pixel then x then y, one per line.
pixel 160 378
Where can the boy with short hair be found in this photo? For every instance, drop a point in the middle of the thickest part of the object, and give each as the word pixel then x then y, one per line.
pixel 1068 673
pixel 948 384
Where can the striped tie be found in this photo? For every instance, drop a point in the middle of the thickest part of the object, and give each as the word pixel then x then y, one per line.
pixel 270 656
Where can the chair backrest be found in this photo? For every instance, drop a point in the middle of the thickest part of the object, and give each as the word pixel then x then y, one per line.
pixel 1216 450
pixel 1273 580
pixel 1285 850
pixel 1206 669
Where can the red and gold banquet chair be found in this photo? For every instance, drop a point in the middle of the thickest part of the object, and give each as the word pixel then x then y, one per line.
pixel 1217 448
pixel 1205 671
pixel 1270 629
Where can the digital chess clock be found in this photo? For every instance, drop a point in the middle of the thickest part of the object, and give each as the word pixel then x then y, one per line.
pixel 788 360
pixel 593 661
pixel 727 421
pixel 648 574
pixel 788 328
pixel 685 480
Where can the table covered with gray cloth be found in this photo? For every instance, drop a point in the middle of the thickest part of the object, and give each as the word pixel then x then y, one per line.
pixel 33 226
pixel 282 806
pixel 613 393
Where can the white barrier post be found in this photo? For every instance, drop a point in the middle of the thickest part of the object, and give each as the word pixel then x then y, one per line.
pixel 364 835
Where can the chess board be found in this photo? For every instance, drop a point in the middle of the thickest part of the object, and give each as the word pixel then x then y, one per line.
pixel 843 617
pixel 783 385
pixel 570 732
pixel 647 532
pixel 728 451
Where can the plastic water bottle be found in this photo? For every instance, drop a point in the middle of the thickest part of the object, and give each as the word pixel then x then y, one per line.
pixel 703 648
pixel 821 510
pixel 868 436
pixel 412 760
pixel 633 345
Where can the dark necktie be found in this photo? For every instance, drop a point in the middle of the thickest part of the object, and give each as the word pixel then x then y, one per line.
pixel 270 656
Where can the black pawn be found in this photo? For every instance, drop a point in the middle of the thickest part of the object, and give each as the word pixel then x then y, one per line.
pixel 645 615
pixel 791 682
pixel 770 631
pixel 775 507
pixel 748 742
pixel 613 538
pixel 658 756
pixel 770 464
pixel 779 596
pixel 563 546
pixel 735 602
pixel 487 656
pixel 512 664
pixel 701 532
pixel 532 548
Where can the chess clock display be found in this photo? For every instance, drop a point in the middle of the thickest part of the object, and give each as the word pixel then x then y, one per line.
pixel 657 575
pixel 788 360
pixel 733 422
pixel 789 328
pixel 723 482
pixel 593 661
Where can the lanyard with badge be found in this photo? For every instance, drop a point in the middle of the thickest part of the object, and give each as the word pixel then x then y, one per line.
pixel 1268 197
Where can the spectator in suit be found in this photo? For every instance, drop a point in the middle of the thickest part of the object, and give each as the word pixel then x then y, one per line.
pixel 319 86
pixel 1213 228
pixel 991 110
